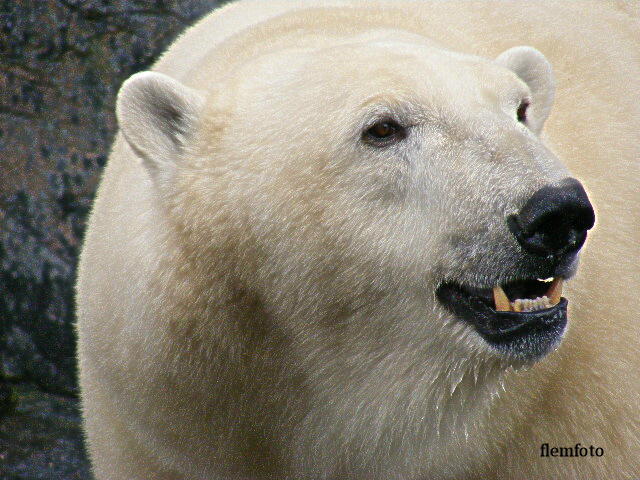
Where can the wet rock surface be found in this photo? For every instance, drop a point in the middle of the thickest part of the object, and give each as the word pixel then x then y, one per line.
pixel 41 438
pixel 61 64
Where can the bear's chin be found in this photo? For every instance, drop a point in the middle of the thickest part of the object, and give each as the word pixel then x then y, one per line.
pixel 521 336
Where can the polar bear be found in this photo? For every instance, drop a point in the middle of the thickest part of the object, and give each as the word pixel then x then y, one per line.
pixel 331 239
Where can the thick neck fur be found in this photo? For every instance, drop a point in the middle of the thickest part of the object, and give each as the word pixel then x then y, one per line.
pixel 348 388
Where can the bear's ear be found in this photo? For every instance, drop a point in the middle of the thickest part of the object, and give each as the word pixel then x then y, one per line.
pixel 156 114
pixel 535 70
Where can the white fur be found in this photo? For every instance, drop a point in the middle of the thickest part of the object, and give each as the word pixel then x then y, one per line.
pixel 534 69
pixel 155 114
pixel 267 309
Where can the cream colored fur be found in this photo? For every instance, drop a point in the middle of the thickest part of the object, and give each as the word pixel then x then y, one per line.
pixel 256 290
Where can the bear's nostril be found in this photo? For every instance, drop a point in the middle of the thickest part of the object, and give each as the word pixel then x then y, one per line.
pixel 554 221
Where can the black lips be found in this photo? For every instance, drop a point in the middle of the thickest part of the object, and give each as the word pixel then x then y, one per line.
pixel 522 335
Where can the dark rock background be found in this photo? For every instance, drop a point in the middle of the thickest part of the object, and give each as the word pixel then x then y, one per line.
pixel 61 64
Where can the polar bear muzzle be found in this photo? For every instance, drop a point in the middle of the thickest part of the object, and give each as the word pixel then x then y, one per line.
pixel 526 318
pixel 523 328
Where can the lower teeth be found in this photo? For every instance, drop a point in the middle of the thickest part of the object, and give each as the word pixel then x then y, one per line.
pixel 529 305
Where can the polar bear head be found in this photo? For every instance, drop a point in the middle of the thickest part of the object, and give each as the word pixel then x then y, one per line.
pixel 381 198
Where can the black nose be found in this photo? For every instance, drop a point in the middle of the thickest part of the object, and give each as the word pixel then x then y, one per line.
pixel 555 220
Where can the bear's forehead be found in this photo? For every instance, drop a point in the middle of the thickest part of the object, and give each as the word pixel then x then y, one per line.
pixel 381 66
pixel 349 57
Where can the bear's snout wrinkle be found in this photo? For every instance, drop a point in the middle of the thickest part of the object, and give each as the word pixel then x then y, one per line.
pixel 554 221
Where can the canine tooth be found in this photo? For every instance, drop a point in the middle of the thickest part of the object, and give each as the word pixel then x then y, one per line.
pixel 501 300
pixel 545 280
pixel 555 291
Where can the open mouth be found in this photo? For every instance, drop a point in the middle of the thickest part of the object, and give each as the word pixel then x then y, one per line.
pixel 524 318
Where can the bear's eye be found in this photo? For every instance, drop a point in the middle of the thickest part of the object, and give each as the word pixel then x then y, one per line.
pixel 384 132
pixel 522 111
